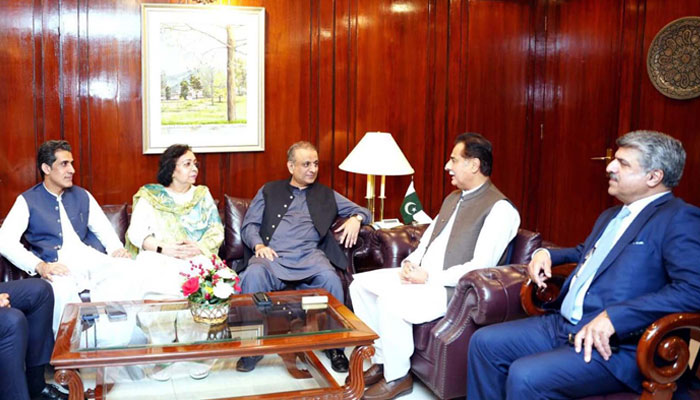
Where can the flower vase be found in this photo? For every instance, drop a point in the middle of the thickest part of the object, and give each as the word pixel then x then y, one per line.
pixel 212 314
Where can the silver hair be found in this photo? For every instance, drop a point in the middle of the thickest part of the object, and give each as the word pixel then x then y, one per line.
pixel 659 151
pixel 299 145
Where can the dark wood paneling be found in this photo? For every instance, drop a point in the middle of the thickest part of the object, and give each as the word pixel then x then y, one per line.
pixel 497 75
pixel 17 118
pixel 678 118
pixel 391 84
pixel 424 70
pixel 580 119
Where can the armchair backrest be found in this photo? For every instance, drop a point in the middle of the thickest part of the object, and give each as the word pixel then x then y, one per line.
pixel 522 246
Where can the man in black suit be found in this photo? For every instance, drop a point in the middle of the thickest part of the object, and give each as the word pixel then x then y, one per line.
pixel 26 340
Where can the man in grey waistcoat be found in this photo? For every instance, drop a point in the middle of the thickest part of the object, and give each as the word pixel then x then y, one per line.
pixel 472 231
pixel 287 227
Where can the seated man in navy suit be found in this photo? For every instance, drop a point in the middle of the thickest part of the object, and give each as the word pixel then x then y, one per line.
pixel 639 264
pixel 26 340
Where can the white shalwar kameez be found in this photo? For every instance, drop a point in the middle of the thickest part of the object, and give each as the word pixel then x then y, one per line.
pixel 391 308
pixel 108 278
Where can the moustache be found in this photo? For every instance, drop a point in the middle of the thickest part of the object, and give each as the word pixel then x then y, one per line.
pixel 612 176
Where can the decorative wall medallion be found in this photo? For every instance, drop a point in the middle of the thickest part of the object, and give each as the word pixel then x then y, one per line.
pixel 673 61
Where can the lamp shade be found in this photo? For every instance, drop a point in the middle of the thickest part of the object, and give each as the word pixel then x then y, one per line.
pixel 377 154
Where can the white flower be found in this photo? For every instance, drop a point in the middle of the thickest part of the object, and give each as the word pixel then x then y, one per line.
pixel 225 273
pixel 223 290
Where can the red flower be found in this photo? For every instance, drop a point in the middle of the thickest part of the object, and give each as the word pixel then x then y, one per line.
pixel 190 286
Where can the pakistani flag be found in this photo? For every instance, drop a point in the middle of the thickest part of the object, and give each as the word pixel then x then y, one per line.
pixel 412 209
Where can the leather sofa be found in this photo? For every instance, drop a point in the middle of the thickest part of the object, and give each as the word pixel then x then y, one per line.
pixel 232 213
pixel 481 298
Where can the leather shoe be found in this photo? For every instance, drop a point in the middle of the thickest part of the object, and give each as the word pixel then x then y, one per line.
pixel 339 362
pixel 50 392
pixel 247 364
pixel 384 390
pixel 373 375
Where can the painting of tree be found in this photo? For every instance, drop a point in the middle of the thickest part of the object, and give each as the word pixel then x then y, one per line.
pixel 208 62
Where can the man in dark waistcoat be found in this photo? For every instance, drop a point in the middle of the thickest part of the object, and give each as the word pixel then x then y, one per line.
pixel 472 231
pixel 287 226
pixel 68 235
pixel 26 340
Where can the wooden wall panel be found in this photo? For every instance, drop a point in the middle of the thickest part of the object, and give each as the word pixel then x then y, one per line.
pixel 17 110
pixel 391 84
pixel 678 118
pixel 580 118
pixel 498 62
pixel 424 70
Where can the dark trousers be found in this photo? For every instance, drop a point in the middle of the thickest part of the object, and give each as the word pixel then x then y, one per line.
pixel 26 338
pixel 257 278
pixel 531 359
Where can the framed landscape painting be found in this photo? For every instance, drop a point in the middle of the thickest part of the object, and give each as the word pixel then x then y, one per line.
pixel 203 77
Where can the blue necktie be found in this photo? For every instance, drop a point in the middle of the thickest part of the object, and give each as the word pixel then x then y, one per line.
pixel 569 309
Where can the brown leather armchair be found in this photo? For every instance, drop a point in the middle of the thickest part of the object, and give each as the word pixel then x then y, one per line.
pixel 665 341
pixel 482 297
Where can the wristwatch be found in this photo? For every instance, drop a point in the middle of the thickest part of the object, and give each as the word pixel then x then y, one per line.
pixel 159 249
pixel 359 217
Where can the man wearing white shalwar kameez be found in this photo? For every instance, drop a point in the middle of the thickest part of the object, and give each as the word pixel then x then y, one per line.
pixel 67 233
pixel 390 301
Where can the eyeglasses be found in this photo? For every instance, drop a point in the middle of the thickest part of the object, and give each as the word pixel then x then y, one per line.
pixel 189 163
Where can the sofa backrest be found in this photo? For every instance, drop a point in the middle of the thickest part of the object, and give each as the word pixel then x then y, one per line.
pixel 234 212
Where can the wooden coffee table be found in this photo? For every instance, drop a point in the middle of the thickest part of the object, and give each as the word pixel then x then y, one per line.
pixel 163 332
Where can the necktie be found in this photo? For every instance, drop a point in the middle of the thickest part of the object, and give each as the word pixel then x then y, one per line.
pixel 569 309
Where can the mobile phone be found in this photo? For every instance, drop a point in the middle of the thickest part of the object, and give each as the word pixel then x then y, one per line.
pixel 115 312
pixel 261 299
pixel 89 313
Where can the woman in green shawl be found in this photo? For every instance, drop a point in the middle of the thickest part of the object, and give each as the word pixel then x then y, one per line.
pixel 174 222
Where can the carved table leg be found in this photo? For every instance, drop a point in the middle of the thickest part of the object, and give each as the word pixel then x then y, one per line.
pixel 290 362
pixel 72 379
pixel 355 387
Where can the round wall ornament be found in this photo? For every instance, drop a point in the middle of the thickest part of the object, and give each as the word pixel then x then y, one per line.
pixel 673 61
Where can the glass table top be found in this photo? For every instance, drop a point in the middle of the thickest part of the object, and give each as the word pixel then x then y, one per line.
pixel 163 324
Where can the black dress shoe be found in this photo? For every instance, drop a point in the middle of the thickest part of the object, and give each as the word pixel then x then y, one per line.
pixel 50 392
pixel 247 364
pixel 339 362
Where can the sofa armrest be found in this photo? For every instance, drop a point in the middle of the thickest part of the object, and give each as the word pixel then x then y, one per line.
pixel 492 295
pixel 482 297
pixel 361 247
pixel 390 246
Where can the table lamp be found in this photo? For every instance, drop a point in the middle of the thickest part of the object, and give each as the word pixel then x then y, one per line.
pixel 376 154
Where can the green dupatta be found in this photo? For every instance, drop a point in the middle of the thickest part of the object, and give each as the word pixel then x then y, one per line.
pixel 197 220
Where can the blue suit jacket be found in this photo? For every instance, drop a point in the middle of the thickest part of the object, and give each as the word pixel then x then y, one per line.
pixel 653 270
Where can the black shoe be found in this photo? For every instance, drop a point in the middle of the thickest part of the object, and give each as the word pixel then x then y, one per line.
pixel 339 362
pixel 247 364
pixel 50 392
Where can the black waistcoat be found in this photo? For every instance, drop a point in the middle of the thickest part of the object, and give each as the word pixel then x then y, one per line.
pixel 323 210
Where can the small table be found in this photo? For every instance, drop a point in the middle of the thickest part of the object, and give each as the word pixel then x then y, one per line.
pixel 286 328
